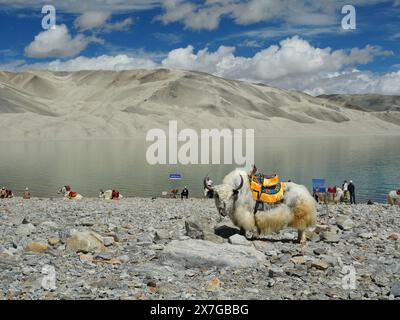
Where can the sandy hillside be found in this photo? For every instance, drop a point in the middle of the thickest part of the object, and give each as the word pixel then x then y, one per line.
pixel 126 104
pixel 385 107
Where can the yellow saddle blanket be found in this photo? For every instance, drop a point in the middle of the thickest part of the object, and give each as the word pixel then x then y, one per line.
pixel 267 189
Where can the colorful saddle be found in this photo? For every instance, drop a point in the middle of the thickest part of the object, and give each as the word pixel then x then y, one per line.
pixel 267 188
pixel 72 194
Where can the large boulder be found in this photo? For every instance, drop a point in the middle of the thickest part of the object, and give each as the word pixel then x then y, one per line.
pixel 87 241
pixel 199 253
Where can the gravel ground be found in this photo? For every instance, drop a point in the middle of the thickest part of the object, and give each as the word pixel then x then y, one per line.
pixel 140 248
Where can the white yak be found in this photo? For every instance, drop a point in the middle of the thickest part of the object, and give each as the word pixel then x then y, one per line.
pixel 108 195
pixel 66 191
pixel 393 197
pixel 336 197
pixel 234 198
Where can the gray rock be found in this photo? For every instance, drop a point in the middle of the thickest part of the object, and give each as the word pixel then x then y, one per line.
pixel 199 253
pixel 145 238
pixel 108 241
pixel 208 236
pixel 332 235
pixel 333 261
pixel 87 241
pixel 50 224
pixel 275 271
pixel 319 251
pixel 239 240
pixel 344 222
pixel 366 235
pixel 161 235
pixel 104 256
pixel 25 229
pixel 395 291
pixel 123 258
pixel 196 227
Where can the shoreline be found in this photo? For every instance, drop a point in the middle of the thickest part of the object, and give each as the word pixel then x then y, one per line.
pixel 375 203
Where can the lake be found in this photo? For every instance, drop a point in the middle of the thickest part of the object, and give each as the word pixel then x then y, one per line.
pixel 371 162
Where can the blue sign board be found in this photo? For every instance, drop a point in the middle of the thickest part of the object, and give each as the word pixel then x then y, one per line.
pixel 175 176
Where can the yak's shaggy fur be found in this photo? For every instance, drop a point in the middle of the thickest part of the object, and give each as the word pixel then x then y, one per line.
pixel 298 209
pixel 393 198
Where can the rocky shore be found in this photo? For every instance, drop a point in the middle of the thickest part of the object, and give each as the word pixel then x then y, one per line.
pixel 140 248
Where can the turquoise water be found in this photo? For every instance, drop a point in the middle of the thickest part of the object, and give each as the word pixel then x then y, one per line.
pixel 372 163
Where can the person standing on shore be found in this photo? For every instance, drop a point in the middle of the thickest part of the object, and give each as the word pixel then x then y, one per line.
pixel 185 193
pixel 26 194
pixel 352 191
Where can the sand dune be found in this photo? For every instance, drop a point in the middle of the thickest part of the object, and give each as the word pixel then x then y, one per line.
pixel 367 102
pixel 126 104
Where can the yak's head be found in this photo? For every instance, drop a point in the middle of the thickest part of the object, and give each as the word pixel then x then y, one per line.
pixel 225 196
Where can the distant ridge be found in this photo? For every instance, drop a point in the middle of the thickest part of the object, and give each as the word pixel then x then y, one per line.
pixel 48 105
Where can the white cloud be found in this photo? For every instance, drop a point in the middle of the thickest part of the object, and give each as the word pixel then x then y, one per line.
pixel 207 14
pixel 57 42
pixel 293 57
pixel 122 25
pixel 79 6
pixel 352 82
pixel 292 64
pixel 98 21
pixel 207 17
pixel 104 62
pixel 91 20
pixel 171 38
pixel 250 44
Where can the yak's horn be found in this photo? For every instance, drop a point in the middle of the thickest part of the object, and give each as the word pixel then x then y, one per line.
pixel 206 186
pixel 240 186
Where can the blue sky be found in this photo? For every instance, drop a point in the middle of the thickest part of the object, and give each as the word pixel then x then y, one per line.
pixel 291 44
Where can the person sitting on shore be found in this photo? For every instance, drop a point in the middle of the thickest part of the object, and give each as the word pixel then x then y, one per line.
pixel 185 193
pixel 208 191
pixel 3 193
pixel 26 194
pixel 174 192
